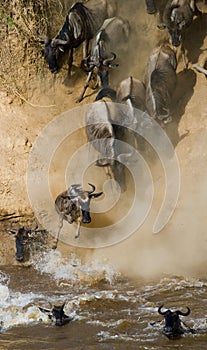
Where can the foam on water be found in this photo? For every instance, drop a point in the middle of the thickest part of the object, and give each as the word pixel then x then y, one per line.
pixel 67 270
pixel 17 309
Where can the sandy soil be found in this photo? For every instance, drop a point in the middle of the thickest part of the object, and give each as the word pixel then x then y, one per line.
pixel 22 122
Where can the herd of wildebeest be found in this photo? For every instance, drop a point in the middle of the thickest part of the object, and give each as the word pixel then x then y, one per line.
pixel 104 36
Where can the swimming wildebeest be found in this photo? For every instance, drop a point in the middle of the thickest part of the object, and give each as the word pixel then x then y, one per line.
pixel 57 314
pixel 82 23
pixel 109 43
pixel 73 205
pixel 160 82
pixel 173 325
pixel 21 235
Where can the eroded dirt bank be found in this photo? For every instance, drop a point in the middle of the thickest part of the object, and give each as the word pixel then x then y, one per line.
pixel 181 246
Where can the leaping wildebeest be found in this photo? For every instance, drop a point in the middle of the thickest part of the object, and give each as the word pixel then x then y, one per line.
pixel 160 82
pixel 73 205
pixel 108 44
pixel 173 325
pixel 82 22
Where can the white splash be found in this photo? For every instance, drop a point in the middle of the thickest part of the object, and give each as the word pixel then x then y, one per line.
pixel 72 270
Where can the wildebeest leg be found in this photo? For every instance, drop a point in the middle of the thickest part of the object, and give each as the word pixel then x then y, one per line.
pixel 70 61
pixel 85 86
pixel 151 7
pixel 85 48
pixel 77 234
pixel 182 50
pixel 55 242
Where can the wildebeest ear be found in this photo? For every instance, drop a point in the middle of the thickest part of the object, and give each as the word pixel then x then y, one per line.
pixel 95 195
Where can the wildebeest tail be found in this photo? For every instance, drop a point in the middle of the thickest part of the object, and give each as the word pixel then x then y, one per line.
pixel 106 92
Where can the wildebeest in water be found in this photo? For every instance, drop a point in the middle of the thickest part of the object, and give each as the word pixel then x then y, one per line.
pixel 173 325
pixel 57 314
pixel 82 22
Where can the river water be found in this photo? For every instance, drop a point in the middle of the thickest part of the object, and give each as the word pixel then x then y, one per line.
pixel 108 310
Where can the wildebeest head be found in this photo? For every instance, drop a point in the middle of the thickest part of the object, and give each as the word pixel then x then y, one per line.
pixel 21 236
pixel 52 51
pixel 173 325
pixel 82 199
pixel 57 314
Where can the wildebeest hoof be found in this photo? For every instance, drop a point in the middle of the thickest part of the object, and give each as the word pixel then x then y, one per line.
pixel 161 26
pixel 167 120
pixel 19 258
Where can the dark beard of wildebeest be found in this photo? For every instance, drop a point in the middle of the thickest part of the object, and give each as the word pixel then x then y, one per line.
pixel 106 124
pixel 73 205
pixel 82 23
pixel 173 325
pixel 109 43
pixel 57 314
pixel 21 235
pixel 160 82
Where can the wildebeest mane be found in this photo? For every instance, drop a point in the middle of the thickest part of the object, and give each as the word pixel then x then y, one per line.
pixel 80 15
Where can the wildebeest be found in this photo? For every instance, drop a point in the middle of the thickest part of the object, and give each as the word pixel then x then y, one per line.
pixel 156 6
pixel 73 205
pixel 21 235
pixel 57 314
pixel 160 82
pixel 106 125
pixel 82 23
pixel 173 325
pixel 177 16
pixel 109 43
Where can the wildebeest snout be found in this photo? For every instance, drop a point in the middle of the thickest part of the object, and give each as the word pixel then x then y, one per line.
pixel 86 219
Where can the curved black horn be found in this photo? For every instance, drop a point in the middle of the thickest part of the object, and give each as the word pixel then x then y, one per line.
pixel 14 228
pixel 44 38
pixel 160 311
pixel 93 188
pixel 109 60
pixel 183 313
pixel 56 42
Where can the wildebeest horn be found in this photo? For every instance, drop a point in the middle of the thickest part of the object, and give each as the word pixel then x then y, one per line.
pixel 160 311
pixel 184 313
pixel 14 228
pixel 93 188
pixel 109 60
pixel 56 42
pixel 44 38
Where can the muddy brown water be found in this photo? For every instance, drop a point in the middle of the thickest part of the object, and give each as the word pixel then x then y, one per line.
pixel 109 311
